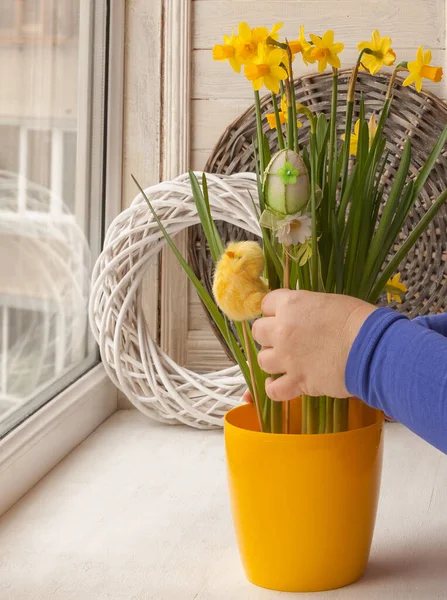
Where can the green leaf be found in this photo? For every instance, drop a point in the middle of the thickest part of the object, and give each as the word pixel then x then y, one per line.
pixel 259 177
pixel 306 158
pixel 389 211
pixel 266 149
pixel 260 375
pixel 406 247
pixel 429 164
pixel 322 132
pixel 203 210
pixel 278 122
pixel 209 303
pixel 345 154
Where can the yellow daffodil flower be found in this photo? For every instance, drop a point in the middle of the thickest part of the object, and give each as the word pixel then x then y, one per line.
pixel 382 53
pixel 421 69
pixel 227 51
pixel 325 51
pixel 265 69
pixel 249 40
pixel 301 45
pixel 271 120
pixel 283 115
pixel 354 139
pixel 395 289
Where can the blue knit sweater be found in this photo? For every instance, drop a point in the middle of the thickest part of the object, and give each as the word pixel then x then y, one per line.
pixel 400 366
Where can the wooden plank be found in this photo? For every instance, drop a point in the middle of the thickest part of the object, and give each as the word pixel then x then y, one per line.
pixel 407 23
pixel 141 131
pixel 198 159
pixel 175 157
pixel 213 80
pixel 197 318
pixel 141 141
pixel 205 354
pixel 211 117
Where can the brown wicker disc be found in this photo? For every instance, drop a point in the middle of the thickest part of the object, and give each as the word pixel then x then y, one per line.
pixel 420 117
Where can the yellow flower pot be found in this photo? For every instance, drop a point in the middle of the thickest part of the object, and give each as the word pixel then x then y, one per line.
pixel 304 506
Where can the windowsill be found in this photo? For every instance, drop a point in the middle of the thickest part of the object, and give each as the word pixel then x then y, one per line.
pixel 139 510
pixel 31 450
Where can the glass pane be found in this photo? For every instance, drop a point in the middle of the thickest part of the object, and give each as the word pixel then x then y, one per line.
pixel 45 230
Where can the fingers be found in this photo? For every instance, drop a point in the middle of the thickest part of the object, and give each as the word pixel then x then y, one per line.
pixel 262 331
pixel 282 389
pixel 246 397
pixel 269 362
pixel 271 300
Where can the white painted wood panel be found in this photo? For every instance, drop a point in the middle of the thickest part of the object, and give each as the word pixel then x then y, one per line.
pixel 219 95
pixel 407 21
pixel 142 123
pixel 175 161
pixel 214 80
pixel 142 110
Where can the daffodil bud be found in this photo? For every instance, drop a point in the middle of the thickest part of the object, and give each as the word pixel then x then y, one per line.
pixel 286 183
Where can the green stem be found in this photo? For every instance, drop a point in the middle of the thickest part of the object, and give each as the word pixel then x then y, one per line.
pixel 286 285
pixel 292 101
pixel 332 171
pixel 254 383
pixel 329 415
pixel 278 122
pixel 314 260
pixel 349 113
pixel 259 133
pixel 304 407
pixel 341 408
pixel 276 416
pixel 347 142
pixel 312 415
pixel 290 127
pixel 322 410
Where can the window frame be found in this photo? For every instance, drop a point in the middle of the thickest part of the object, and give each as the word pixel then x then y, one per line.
pixel 35 446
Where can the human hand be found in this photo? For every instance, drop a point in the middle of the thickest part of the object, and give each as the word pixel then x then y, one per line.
pixel 306 338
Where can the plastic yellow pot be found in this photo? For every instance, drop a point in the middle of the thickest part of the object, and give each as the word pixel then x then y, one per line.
pixel 304 506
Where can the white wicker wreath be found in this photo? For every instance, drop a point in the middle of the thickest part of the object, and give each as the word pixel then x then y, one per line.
pixel 152 381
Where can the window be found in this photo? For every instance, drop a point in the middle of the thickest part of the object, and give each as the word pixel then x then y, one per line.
pixel 52 112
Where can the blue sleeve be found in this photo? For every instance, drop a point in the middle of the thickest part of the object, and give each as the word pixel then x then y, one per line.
pixel 399 367
pixel 436 323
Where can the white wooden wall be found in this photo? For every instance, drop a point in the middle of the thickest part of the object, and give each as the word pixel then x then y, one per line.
pixel 217 96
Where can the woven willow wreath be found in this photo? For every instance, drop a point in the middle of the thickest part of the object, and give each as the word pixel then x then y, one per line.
pixel 153 382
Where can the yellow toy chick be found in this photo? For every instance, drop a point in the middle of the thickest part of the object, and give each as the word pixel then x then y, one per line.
pixel 238 284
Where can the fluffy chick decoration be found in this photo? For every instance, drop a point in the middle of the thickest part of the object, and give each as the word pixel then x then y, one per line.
pixel 238 284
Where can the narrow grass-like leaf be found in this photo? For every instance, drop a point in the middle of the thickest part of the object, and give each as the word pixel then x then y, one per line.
pixel 201 200
pixel 345 155
pixel 406 247
pixel 306 158
pixel 389 211
pixel 278 122
pixel 201 291
pixel 391 236
pixel 429 164
pixel 266 149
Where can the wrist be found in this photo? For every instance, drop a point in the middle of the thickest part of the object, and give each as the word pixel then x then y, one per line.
pixel 354 324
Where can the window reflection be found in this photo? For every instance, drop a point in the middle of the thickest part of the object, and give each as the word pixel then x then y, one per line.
pixel 44 252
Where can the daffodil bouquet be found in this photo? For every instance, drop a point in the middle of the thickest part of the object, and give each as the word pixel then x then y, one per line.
pixel 327 222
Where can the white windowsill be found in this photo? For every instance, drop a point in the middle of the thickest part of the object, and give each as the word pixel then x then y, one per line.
pixel 31 450
pixel 140 511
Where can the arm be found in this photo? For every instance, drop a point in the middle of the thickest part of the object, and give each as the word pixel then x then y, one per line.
pixel 436 323
pixel 399 367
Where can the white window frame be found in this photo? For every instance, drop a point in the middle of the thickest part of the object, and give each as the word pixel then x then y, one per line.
pixel 34 447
